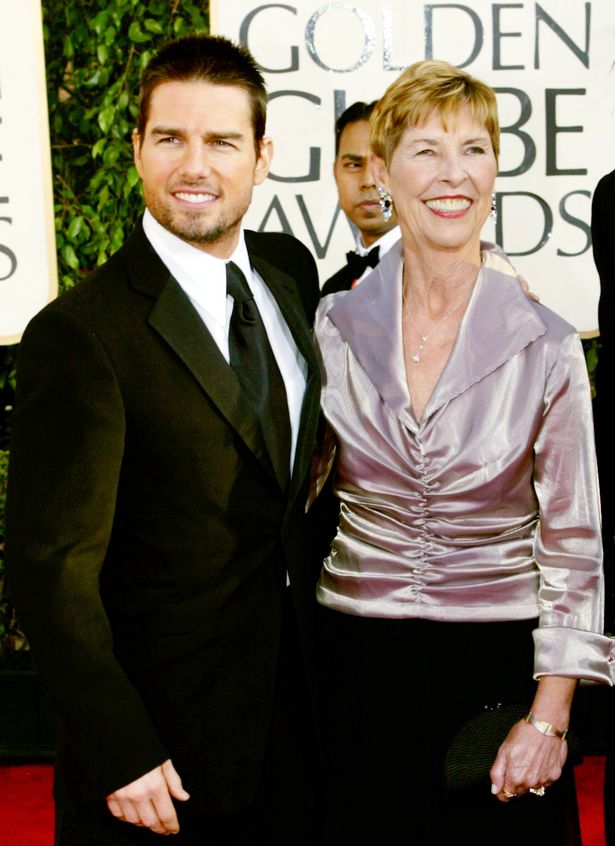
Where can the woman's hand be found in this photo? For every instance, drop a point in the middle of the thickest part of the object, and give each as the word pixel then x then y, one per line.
pixel 526 759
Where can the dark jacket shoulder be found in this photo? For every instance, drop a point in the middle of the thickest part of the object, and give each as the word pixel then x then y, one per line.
pixel 340 281
pixel 291 256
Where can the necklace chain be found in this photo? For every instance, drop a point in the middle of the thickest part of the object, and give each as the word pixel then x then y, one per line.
pixel 416 358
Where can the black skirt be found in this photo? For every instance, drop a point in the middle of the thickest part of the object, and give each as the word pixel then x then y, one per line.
pixel 394 694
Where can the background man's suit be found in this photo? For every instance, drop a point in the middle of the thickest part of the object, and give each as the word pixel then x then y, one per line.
pixel 176 537
pixel 603 241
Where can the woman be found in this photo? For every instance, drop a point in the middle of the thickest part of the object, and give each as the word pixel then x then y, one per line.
pixel 466 570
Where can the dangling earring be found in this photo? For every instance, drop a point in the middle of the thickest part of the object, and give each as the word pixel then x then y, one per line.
pixel 386 203
pixel 494 208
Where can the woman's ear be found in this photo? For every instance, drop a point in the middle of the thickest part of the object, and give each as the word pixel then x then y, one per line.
pixel 379 170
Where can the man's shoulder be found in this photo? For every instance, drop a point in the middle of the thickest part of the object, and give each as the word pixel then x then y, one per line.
pixel 279 248
pixel 604 188
pixel 340 281
pixel 103 289
pixel 608 178
pixel 288 255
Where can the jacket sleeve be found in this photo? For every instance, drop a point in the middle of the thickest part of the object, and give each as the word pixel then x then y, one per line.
pixel 65 464
pixel 568 549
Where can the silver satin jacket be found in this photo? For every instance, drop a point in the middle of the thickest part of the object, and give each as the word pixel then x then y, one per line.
pixel 488 509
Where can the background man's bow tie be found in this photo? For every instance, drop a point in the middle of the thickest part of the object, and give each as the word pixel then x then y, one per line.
pixel 358 263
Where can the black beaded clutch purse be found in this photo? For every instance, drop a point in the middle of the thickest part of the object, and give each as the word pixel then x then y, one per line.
pixel 472 751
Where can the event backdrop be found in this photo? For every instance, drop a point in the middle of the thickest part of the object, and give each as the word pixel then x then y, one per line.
pixel 28 273
pixel 551 64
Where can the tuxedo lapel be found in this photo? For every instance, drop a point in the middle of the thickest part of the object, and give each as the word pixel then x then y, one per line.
pixel 174 317
pixel 283 289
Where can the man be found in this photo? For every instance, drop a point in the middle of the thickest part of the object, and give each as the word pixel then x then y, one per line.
pixel 603 243
pixel 358 199
pixel 157 490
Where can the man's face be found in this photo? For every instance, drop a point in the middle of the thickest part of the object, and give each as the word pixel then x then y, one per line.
pixel 198 163
pixel 358 196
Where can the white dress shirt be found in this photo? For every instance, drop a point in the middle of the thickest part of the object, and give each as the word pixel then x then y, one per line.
pixel 202 277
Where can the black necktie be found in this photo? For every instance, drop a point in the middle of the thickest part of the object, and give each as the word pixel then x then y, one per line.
pixel 357 264
pixel 256 368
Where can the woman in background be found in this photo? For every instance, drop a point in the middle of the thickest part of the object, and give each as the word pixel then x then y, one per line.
pixel 466 570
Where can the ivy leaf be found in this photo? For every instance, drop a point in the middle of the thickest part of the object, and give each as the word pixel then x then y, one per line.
pixel 70 256
pixel 74 228
pixel 153 26
pixel 98 147
pixel 110 34
pixel 99 22
pixel 111 155
pixel 136 34
pixel 132 177
pixel 105 118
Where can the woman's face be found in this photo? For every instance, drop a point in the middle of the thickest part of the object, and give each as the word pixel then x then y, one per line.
pixel 441 182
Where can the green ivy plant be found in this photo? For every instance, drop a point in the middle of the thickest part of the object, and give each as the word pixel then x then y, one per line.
pixel 94 52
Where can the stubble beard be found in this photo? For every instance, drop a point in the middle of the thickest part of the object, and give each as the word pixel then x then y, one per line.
pixel 192 227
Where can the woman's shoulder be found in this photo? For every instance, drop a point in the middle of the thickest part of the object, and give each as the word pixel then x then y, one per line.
pixel 499 267
pixel 556 325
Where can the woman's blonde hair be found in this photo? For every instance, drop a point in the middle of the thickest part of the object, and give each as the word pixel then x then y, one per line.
pixel 422 88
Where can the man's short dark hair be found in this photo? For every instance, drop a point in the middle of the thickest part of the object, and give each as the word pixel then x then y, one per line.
pixel 206 58
pixel 358 111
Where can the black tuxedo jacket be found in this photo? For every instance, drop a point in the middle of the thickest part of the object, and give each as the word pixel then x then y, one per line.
pixel 340 281
pixel 147 537
pixel 603 240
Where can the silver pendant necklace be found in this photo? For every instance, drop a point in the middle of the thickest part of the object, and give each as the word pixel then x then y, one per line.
pixel 416 358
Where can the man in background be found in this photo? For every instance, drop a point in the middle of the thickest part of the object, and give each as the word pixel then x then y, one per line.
pixel 358 199
pixel 165 417
pixel 603 243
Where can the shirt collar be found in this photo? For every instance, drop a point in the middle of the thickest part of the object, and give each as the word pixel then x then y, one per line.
pixel 201 275
pixel 385 242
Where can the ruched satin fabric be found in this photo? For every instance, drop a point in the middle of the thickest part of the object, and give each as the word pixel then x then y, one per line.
pixel 487 508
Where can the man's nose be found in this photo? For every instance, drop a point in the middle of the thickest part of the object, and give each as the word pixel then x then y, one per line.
pixel 367 176
pixel 196 160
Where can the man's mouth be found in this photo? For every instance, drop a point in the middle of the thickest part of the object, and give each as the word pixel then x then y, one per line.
pixel 369 203
pixel 194 197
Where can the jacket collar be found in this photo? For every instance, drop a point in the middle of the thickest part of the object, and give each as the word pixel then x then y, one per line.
pixel 499 322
